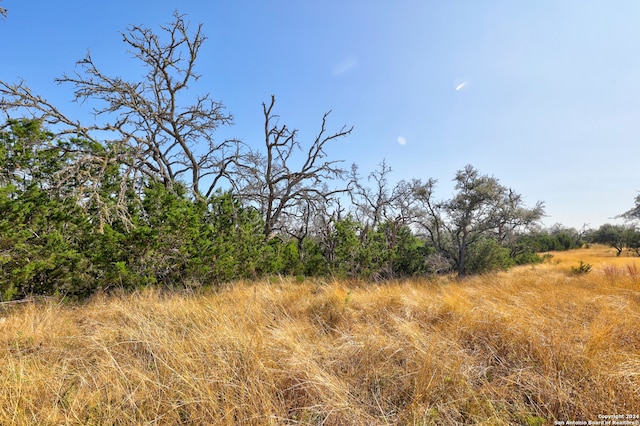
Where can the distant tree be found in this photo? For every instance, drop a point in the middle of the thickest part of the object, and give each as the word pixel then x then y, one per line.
pixel 611 235
pixel 618 237
pixel 324 227
pixel 481 208
pixel 282 192
pixel 560 237
pixel 632 240
pixel 557 237
pixel 569 238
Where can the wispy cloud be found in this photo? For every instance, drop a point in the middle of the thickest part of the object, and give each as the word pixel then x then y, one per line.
pixel 345 66
pixel 402 140
pixel 461 86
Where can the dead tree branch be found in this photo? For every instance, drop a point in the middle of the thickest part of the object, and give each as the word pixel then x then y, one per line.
pixel 279 190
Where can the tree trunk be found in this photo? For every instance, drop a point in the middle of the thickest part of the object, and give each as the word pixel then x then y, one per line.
pixel 462 253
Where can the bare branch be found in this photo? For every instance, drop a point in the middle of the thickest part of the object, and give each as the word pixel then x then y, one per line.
pixel 154 134
pixel 282 192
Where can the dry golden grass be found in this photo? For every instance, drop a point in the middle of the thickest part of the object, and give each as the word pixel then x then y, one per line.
pixel 528 346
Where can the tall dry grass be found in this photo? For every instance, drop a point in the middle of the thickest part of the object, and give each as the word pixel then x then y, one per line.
pixel 528 346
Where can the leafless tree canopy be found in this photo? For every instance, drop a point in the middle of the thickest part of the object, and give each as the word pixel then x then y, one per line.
pixel 148 127
pixel 381 202
pixel 170 139
pixel 269 180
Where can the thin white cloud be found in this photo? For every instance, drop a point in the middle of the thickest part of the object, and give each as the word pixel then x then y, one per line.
pixel 402 140
pixel 345 66
pixel 461 86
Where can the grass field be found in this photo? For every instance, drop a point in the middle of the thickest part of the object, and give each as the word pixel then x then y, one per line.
pixel 528 346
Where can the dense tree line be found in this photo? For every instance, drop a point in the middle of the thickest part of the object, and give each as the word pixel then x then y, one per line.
pixel 146 195
pixel 557 238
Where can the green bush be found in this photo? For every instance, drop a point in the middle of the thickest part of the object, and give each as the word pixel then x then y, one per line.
pixel 56 243
pixel 487 255
pixel 581 269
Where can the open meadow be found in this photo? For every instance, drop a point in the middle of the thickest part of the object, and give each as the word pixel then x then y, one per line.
pixel 530 346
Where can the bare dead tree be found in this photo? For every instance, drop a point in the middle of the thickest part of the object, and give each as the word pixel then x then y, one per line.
pixel 382 202
pixel 281 192
pixel 171 140
pixel 149 128
pixel 374 204
pixel 383 208
pixel 322 226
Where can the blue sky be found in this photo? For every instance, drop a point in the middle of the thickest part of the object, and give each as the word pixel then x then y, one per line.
pixel 548 97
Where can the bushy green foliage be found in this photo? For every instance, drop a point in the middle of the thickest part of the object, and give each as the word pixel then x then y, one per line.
pixel 313 259
pixel 618 237
pixel 344 248
pixel 54 242
pixel 485 255
pixel 235 239
pixel 581 269
pixel 42 233
pixel 181 241
pixel 390 251
pixel 632 240
pixel 42 244
pixel 556 239
pixel 409 253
